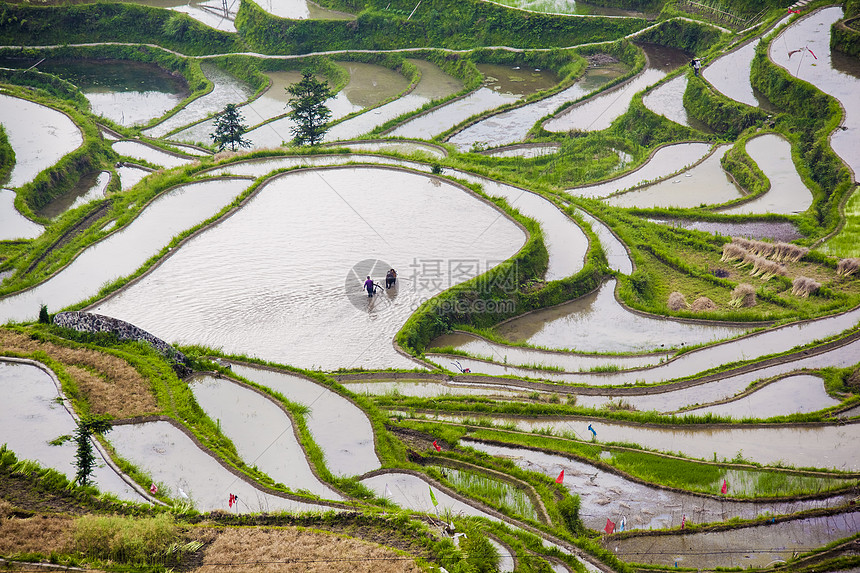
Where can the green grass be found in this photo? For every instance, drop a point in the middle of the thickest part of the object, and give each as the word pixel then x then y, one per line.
pixel 846 243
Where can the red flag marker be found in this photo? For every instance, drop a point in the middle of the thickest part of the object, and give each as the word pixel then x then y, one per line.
pixel 610 527
pixel 153 488
pixel 684 521
pixel 811 52
pixel 725 487
pixel 560 477
pixel 435 445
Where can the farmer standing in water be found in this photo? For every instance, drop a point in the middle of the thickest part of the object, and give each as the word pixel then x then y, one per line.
pixel 368 285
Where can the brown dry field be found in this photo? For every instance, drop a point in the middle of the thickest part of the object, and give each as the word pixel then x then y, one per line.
pixel 37 534
pixel 111 385
pixel 291 549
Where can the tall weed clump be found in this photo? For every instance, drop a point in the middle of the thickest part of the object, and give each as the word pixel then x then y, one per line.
pixel 125 539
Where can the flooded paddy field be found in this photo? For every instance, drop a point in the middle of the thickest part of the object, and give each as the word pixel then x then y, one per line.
pixel 337 425
pixel 502 85
pixel 787 194
pixel 250 420
pixel 39 136
pixel 754 546
pixel 121 253
pixel 773 230
pixel 828 446
pixel 178 464
pixel 590 324
pixel 301 10
pixel 150 154
pixel 403 146
pixel 666 161
pixel 431 124
pixel 730 74
pixel 704 184
pixel 124 91
pixel 667 100
pixel 226 89
pixel 513 125
pixel 434 84
pixel 598 113
pixel 321 278
pixel 271 103
pixel 771 341
pixel 37 416
pixel 790 395
pixel 834 73
pixel 14 225
pixel 607 495
pixel 672 398
pixel 90 187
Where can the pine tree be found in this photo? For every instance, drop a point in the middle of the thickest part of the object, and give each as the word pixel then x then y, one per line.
pixel 84 457
pixel 229 129
pixel 309 111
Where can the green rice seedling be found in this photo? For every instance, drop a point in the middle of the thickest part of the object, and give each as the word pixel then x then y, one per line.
pixel 804 286
pixel 847 267
pixel 677 301
pixel 498 493
pixel 743 295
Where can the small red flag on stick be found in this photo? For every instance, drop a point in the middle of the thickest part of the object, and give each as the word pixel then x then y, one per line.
pixel 560 477
pixel 610 526
pixel 153 488
pixel 435 445
pixel 725 487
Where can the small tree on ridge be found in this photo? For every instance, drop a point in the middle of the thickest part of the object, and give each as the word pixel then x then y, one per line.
pixel 85 460
pixel 309 111
pixel 229 129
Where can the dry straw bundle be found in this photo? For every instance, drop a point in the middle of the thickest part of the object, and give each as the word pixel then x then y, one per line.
pixel 677 301
pixel 702 304
pixel 743 295
pixel 847 267
pixel 804 286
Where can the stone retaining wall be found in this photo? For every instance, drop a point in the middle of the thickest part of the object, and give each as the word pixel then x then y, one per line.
pixel 90 322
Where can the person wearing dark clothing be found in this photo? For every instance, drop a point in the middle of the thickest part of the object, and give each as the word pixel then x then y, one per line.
pixel 390 278
pixel 369 286
pixel 696 64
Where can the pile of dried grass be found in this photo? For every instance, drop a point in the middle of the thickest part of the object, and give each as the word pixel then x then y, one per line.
pixel 786 252
pixel 290 549
pixel 702 304
pixel 847 267
pixel 766 269
pixel 743 296
pixel 804 286
pixel 677 301
pixel 733 252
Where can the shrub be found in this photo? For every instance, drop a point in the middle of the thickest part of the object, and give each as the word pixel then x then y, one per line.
pixel 568 507
pixel 124 539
